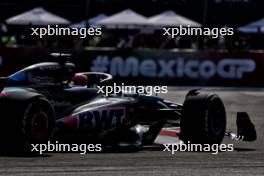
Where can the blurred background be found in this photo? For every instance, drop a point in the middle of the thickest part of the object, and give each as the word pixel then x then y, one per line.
pixel 132 46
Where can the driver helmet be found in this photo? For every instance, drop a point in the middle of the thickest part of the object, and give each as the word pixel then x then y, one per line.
pixel 80 80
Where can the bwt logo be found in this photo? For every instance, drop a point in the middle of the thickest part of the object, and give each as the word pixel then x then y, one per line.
pixel 229 68
pixel 101 119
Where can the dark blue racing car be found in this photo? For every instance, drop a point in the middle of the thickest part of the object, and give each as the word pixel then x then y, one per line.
pixel 50 101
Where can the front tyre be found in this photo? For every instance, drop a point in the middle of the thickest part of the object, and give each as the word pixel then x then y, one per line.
pixel 203 119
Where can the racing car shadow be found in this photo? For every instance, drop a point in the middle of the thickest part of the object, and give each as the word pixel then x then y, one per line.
pixel 238 149
pixel 155 147
pixel 133 149
pixel 11 151
pixel 22 155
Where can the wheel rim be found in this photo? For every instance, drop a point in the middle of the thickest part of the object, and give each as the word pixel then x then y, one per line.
pixel 39 125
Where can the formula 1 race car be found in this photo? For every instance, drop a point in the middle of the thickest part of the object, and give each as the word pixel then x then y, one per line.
pixel 49 101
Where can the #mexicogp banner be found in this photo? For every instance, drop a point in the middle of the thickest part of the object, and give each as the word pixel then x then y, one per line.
pixel 177 67
pixel 156 67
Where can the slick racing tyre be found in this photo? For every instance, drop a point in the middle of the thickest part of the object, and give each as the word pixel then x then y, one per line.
pixel 31 121
pixel 203 119
pixel 38 121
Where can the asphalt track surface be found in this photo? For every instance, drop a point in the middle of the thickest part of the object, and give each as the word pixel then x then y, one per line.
pixel 247 159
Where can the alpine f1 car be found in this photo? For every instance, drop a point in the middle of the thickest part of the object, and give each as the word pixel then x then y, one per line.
pixel 49 101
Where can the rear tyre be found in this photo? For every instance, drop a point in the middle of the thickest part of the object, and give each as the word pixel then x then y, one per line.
pixel 203 119
pixel 38 121
pixel 30 122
